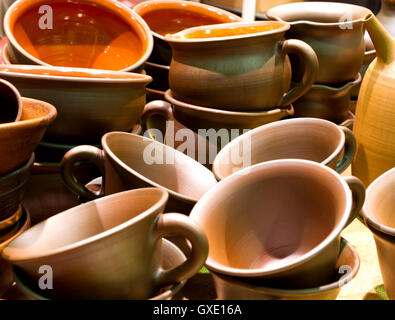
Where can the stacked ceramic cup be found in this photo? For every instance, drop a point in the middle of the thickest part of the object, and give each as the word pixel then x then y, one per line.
pixel 336 33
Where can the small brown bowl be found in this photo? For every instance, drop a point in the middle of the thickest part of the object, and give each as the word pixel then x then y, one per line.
pixel 10 102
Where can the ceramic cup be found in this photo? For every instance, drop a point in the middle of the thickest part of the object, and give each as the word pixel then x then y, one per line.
pixel 171 16
pixel 378 213
pixel 238 66
pixel 304 138
pixel 278 223
pixel 10 102
pixel 120 236
pixel 129 161
pixel 347 266
pixel 97 34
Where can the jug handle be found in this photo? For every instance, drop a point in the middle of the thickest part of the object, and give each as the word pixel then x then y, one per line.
pixel 309 57
pixel 358 194
pixel 77 154
pixel 160 108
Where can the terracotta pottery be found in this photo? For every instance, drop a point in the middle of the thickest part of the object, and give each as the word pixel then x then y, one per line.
pixel 278 223
pixel 171 16
pixel 378 213
pixel 375 116
pixel 19 139
pixel 347 265
pixel 238 66
pixel 89 102
pixel 159 74
pixel 333 30
pixel 367 60
pixel 129 161
pixel 120 236
pixel 11 221
pixel 10 103
pixel 171 256
pixel 326 102
pixel 304 138
pixel 97 34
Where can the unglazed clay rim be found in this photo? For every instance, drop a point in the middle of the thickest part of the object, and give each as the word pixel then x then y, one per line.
pixel 169 97
pixel 102 235
pixel 297 292
pixel 4 55
pixel 179 36
pixel 159 66
pixel 150 41
pixel 369 219
pixel 175 4
pixel 320 24
pixel 220 268
pixel 113 156
pixel 325 123
pixel 132 77
pixel 18 99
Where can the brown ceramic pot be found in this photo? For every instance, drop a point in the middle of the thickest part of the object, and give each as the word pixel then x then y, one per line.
pixel 239 67
pixel 278 223
pixel 97 34
pixel 129 161
pixel 378 213
pixel 19 139
pixel 333 30
pixel 10 102
pixel 159 74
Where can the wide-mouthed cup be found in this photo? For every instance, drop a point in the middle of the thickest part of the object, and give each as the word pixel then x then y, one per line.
pixel 130 161
pixel 10 102
pixel 278 223
pixel 240 66
pixel 19 139
pixel 89 102
pixel 303 138
pixel 347 266
pixel 172 16
pixel 99 34
pixel 120 235
pixel 379 215
pixel 333 30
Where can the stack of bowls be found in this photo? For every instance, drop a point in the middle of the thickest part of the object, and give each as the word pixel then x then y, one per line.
pixel 336 33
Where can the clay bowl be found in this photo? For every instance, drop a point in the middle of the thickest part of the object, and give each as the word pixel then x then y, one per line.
pixel 10 103
pixel 97 34
pixel 172 16
pixel 347 266
pixel 11 221
pixel 89 102
pixel 171 256
pixel 326 102
pixel 378 213
pixel 19 139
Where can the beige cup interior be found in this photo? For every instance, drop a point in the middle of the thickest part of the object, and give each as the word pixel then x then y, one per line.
pixel 268 218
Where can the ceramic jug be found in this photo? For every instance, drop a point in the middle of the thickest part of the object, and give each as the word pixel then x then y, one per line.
pixel 374 126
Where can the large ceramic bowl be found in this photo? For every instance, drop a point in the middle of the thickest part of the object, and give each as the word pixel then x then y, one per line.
pixel 19 139
pixel 89 102
pixel 100 34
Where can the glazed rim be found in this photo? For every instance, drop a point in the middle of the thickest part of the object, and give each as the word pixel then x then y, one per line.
pixel 17 96
pixel 272 13
pixel 83 207
pixel 180 36
pixel 211 196
pixel 112 155
pixel 20 6
pixel 35 121
pixel 169 97
pixel 295 292
pixel 7 70
pixel 369 217
pixel 347 85
pixel 155 5
pixel 283 123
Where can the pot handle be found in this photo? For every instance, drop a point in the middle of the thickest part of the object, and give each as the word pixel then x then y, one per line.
pixel 82 153
pixel 160 108
pixel 179 224
pixel 309 57
pixel 350 148
pixel 358 195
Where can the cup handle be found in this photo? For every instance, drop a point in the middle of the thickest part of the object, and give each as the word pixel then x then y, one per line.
pixel 309 57
pixel 176 223
pixel 82 153
pixel 350 148
pixel 358 194
pixel 349 123
pixel 160 108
